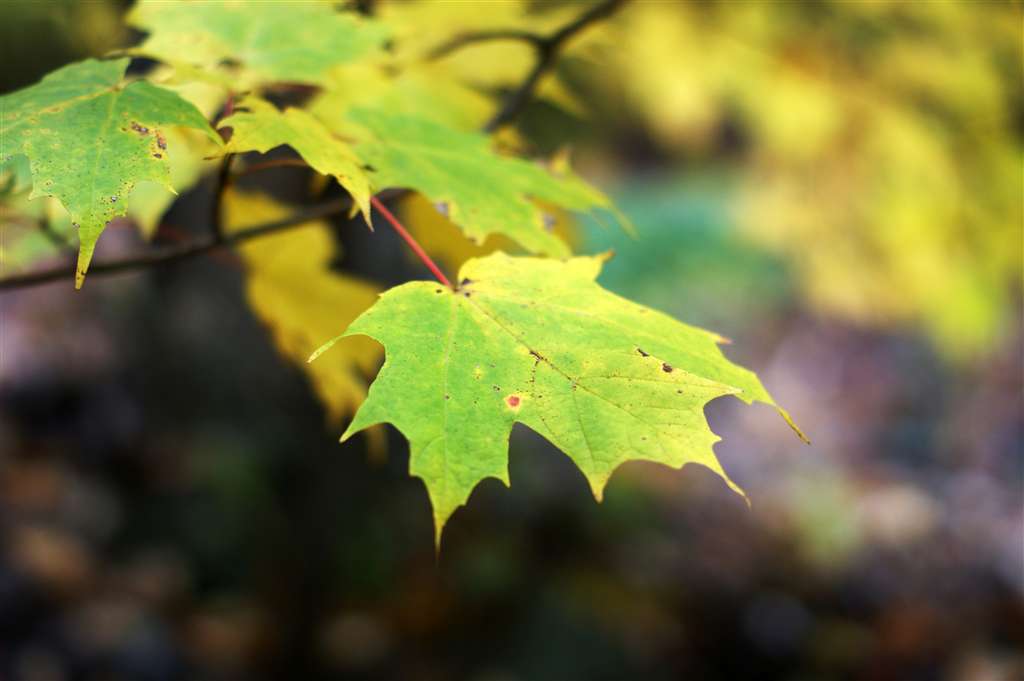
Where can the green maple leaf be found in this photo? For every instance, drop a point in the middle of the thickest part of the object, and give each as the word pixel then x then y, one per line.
pixel 262 127
pixel 538 342
pixel 484 193
pixel 277 41
pixel 90 136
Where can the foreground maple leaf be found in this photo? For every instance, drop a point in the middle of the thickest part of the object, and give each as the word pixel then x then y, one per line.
pixel 539 342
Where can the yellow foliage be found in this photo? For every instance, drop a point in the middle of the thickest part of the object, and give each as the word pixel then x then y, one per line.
pixel 291 289
pixel 883 158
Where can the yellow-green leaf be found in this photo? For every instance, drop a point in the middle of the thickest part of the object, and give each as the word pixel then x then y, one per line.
pixel 296 41
pixel 483 193
pixel 261 127
pixel 538 342
pixel 292 290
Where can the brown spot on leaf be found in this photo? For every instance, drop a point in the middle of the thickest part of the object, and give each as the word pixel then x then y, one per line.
pixel 141 129
pixel 513 401
pixel 158 155
pixel 667 368
pixel 160 141
pixel 642 353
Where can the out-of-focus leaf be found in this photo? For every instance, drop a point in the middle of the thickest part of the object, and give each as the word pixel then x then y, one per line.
pixel 261 127
pixel 297 41
pixel 463 366
pixel 423 90
pixel 292 290
pixel 483 193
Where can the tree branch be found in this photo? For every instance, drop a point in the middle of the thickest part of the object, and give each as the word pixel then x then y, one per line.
pixel 177 252
pixel 466 39
pixel 547 49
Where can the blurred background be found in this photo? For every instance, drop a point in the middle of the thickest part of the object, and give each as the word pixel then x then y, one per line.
pixel 836 186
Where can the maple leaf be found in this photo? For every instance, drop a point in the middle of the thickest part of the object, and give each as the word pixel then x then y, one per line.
pixel 292 290
pixel 90 137
pixel 539 342
pixel 292 41
pixel 421 89
pixel 483 193
pixel 261 127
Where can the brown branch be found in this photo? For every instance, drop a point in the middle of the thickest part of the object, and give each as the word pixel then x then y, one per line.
pixel 466 39
pixel 547 49
pixel 177 252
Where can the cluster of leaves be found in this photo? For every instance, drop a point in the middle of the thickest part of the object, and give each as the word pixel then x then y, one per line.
pixel 463 363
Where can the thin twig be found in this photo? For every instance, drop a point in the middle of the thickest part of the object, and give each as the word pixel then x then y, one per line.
pixel 59 240
pixel 273 163
pixel 547 55
pixel 466 39
pixel 177 252
pixel 219 191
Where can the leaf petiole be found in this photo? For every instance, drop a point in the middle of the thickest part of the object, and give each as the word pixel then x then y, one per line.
pixel 413 244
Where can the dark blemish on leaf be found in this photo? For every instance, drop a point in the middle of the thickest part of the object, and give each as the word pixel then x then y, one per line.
pixel 466 293
pixel 667 368
pixel 447 397
pixel 644 438
pixel 369 168
pixel 437 290
pixel 158 155
pixel 465 282
pixel 141 129
pixel 161 142
pixel 497 388
pixel 513 401
pixel 679 392
pixel 537 355
pixel 113 199
pixel 642 353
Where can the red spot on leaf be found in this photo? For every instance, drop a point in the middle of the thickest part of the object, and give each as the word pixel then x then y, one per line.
pixel 513 401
